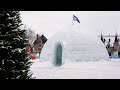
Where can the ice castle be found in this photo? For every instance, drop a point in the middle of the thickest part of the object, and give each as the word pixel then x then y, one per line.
pixel 73 46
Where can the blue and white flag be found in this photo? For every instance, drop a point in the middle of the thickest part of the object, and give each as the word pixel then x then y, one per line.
pixel 76 19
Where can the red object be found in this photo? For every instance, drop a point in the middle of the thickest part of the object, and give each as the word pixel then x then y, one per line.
pixel 29 48
pixel 32 57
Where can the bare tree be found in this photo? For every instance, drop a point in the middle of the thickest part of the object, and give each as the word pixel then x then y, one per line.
pixel 30 35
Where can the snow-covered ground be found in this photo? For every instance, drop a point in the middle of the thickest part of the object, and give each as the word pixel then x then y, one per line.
pixel 77 70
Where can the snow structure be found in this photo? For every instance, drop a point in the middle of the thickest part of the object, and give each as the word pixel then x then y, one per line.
pixel 73 45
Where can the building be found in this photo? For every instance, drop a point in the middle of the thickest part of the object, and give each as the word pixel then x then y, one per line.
pixel 112 46
pixel 37 45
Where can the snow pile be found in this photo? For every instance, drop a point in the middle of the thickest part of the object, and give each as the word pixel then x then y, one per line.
pixel 77 46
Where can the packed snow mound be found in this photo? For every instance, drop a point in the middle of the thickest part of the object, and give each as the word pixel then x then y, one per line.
pixel 76 46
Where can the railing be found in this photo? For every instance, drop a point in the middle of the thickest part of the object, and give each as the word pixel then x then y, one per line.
pixel 108 35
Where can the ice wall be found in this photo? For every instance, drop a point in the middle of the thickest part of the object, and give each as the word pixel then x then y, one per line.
pixel 77 46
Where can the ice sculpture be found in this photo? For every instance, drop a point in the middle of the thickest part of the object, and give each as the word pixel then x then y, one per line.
pixel 73 45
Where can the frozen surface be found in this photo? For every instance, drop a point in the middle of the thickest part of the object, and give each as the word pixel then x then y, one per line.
pixel 78 70
pixel 77 46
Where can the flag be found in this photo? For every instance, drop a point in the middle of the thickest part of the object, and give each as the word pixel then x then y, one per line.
pixel 76 19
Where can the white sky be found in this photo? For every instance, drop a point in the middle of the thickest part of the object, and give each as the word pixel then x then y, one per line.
pixel 50 22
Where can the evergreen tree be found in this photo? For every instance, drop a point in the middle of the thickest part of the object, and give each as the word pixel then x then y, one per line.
pixel 14 57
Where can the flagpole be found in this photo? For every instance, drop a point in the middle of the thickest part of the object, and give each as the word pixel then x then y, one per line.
pixel 72 20
pixel 72 17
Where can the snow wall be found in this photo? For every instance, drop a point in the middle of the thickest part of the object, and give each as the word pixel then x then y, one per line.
pixel 76 46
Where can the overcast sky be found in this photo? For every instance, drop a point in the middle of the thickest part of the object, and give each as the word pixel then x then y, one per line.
pixel 50 22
